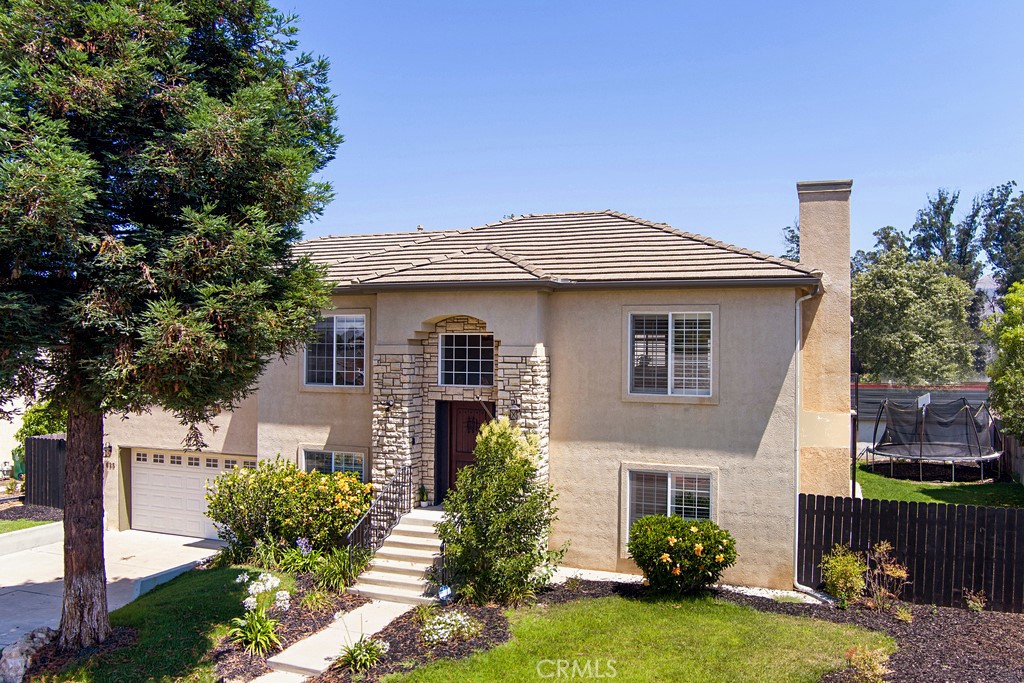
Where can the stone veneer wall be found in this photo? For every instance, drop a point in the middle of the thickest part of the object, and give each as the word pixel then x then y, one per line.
pixel 406 433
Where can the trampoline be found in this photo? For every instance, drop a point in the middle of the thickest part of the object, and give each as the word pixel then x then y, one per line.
pixel 951 432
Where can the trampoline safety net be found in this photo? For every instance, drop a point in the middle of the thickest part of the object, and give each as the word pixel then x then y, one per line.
pixel 948 431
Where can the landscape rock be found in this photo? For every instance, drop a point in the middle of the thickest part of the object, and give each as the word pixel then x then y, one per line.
pixel 18 657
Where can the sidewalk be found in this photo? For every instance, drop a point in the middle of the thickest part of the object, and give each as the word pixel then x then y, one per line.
pixel 32 583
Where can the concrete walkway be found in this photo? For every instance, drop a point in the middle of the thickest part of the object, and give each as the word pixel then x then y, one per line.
pixel 31 581
pixel 316 653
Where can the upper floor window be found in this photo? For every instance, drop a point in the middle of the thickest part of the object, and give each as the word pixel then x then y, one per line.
pixel 337 356
pixel 670 353
pixel 467 360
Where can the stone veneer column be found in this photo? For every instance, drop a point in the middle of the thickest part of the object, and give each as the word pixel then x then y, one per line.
pixel 396 377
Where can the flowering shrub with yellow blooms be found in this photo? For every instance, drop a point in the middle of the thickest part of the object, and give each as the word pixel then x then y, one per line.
pixel 680 555
pixel 278 503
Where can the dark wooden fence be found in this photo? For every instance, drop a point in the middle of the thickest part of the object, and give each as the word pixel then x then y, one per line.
pixel 946 548
pixel 44 470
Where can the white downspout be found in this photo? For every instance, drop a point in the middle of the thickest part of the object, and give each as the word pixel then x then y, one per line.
pixel 796 441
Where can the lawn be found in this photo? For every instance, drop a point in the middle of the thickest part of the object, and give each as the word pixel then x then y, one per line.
pixel 996 494
pixel 177 624
pixel 693 639
pixel 16 524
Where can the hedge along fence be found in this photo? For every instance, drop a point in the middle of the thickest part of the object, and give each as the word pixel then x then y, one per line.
pixel 44 470
pixel 947 549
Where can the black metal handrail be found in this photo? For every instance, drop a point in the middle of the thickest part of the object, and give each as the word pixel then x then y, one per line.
pixel 393 501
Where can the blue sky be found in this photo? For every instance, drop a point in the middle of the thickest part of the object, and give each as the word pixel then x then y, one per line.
pixel 701 115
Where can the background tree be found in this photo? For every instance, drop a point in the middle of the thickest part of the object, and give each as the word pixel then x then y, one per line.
pixel 791 238
pixel 887 239
pixel 44 417
pixel 1006 330
pixel 910 321
pixel 156 160
pixel 1003 234
pixel 956 244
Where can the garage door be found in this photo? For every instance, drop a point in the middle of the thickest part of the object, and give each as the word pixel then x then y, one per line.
pixel 169 490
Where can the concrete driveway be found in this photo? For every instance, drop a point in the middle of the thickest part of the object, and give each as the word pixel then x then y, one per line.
pixel 31 581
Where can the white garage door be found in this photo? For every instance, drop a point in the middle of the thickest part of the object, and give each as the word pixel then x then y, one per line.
pixel 169 490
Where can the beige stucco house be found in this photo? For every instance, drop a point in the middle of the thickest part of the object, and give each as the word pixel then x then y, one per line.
pixel 665 372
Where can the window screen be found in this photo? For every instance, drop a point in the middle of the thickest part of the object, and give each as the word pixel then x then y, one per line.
pixel 329 462
pixel 687 495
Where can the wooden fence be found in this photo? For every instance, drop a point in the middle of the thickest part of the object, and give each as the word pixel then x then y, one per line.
pixel 946 548
pixel 44 470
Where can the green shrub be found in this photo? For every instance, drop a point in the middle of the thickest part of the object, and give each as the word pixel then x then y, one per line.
pixel 843 574
pixel 363 654
pixel 498 518
pixel 278 503
pixel 256 632
pixel 317 600
pixel 680 555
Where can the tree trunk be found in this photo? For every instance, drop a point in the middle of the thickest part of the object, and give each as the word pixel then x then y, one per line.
pixel 84 621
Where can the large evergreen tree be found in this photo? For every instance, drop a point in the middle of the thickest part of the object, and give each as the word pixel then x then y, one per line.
pixel 954 243
pixel 1003 234
pixel 156 160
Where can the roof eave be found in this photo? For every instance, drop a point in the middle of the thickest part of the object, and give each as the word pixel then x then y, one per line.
pixel 549 285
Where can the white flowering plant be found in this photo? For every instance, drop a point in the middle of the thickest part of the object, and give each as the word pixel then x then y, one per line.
pixel 448 626
pixel 256 630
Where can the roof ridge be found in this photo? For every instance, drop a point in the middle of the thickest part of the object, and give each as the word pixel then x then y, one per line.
pixel 450 255
pixel 710 241
pixel 520 262
pixel 431 234
pixel 390 249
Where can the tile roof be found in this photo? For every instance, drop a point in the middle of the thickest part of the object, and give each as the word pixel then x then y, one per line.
pixel 558 249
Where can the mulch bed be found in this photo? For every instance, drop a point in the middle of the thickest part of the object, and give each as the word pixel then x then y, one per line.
pixel 941 644
pixel 407 651
pixel 49 660
pixel 294 625
pixel 38 513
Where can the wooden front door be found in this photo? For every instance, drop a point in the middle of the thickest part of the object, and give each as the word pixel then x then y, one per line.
pixel 464 421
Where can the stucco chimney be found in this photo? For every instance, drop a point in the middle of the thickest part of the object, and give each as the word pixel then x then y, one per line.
pixel 825 361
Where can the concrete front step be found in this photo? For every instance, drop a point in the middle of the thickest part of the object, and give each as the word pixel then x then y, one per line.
pixel 415 569
pixel 376 577
pixel 423 517
pixel 420 556
pixel 391 594
pixel 397 540
pixel 415 530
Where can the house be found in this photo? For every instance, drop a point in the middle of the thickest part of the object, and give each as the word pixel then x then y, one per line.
pixel 661 369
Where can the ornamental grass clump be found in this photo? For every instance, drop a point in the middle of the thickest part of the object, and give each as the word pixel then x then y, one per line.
pixel 364 654
pixel 498 519
pixel 680 555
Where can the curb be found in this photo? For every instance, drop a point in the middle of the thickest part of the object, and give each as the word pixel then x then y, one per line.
pixel 148 583
pixel 33 537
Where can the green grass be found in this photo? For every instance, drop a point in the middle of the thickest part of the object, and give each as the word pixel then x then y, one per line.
pixel 177 624
pixel 16 524
pixel 996 494
pixel 695 639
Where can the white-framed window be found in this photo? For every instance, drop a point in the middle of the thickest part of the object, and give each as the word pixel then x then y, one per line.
pixel 141 457
pixel 158 458
pixel 193 461
pixel 175 459
pixel 249 464
pixel 330 462
pixel 686 494
pixel 670 353
pixel 467 360
pixel 337 355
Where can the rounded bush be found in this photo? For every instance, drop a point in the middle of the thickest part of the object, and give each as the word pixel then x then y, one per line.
pixel 680 555
pixel 277 503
